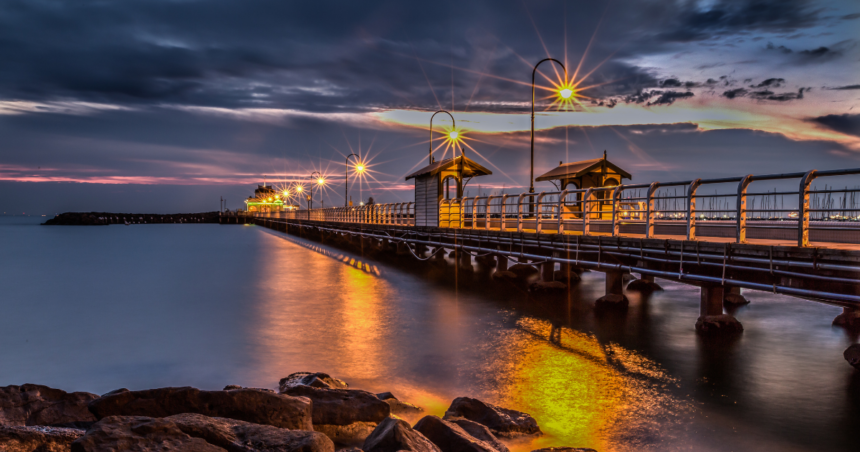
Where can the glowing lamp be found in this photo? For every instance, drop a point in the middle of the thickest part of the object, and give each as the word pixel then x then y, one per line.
pixel 359 168
pixel 566 93
pixel 286 193
pixel 299 188
pixel 320 181
pixel 453 134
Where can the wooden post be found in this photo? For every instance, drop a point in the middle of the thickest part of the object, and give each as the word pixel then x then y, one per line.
pixel 803 209
pixel 691 208
pixel 742 208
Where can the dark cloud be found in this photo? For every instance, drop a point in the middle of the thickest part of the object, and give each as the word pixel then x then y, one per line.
pixel 846 87
pixel 851 16
pixel 771 82
pixel 669 97
pixel 733 93
pixel 819 54
pixel 692 23
pixel 779 97
pixel 848 124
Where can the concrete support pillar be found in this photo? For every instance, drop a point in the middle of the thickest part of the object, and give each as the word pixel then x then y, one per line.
pixel 711 318
pixel 501 263
pixel 546 271
pixel 614 297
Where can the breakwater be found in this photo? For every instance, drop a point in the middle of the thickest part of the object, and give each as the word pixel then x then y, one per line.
pixel 106 218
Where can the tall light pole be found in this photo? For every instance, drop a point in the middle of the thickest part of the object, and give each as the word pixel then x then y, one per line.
pixel 453 131
pixel 319 182
pixel 359 168
pixel 532 165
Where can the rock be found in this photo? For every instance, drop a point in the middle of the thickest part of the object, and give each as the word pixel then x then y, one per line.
pixel 627 277
pixel 612 301
pixel 734 299
pixel 501 421
pixel 450 437
pixel 350 449
pixel 316 379
pixel 522 270
pixel 347 416
pixel 547 286
pixel 564 449
pixel 480 432
pixel 393 434
pixel 641 285
pixel 38 438
pixel 234 435
pixel 31 404
pixel 232 387
pixel 250 405
pixel 716 324
pixel 852 355
pixel 398 406
pixel 139 434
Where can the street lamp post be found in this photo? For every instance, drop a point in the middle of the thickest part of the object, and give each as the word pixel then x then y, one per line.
pixel 454 124
pixel 311 197
pixel 532 165
pixel 358 168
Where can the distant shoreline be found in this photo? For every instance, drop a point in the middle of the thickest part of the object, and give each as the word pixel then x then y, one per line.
pixel 106 218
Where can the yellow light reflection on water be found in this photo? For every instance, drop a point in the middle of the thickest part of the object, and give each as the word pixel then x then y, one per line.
pixel 582 392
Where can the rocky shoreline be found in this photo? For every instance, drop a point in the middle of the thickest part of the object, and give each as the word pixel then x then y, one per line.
pixel 106 218
pixel 310 412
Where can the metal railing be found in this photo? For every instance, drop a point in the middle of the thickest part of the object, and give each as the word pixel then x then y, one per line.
pixel 658 210
pixel 401 214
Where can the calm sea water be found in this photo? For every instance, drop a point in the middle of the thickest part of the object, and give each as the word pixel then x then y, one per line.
pixel 99 308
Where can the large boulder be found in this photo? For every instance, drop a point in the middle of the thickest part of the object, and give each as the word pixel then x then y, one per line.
pixel 139 434
pixel 315 379
pixel 37 438
pixel 393 434
pixel 40 405
pixel 450 437
pixel 398 406
pixel 234 435
pixel 347 416
pixel 718 324
pixel 250 405
pixel 501 421
pixel 480 432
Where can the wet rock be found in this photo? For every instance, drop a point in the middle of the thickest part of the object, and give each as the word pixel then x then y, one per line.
pixel 38 438
pixel 315 379
pixel 250 405
pixel 398 406
pixel 718 324
pixel 31 404
pixel 139 434
pixel 641 285
pixel 849 319
pixel 504 275
pixel 393 434
pixel 232 387
pixel 347 416
pixel 612 301
pixel 852 355
pixel 564 449
pixel 547 286
pixel 480 432
pixel 450 437
pixel 734 299
pixel 234 435
pixel 501 421
pixel 522 270
pixel 350 449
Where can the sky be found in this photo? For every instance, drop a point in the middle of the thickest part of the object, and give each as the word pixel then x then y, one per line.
pixel 167 106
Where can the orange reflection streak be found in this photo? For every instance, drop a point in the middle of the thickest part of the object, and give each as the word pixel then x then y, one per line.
pixel 582 392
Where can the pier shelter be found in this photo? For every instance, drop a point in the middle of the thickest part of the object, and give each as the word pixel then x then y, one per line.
pixel 434 182
pixel 585 174
pixel 265 199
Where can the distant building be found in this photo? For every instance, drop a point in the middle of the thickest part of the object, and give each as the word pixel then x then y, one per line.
pixel 266 199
